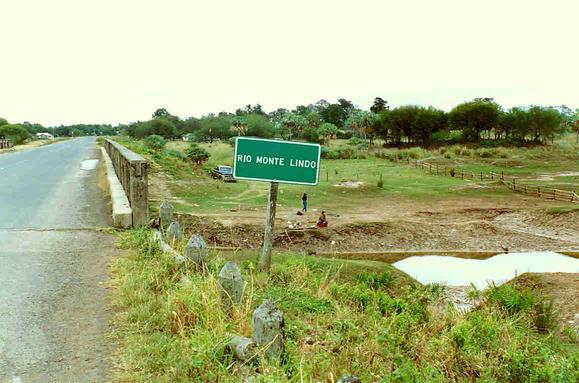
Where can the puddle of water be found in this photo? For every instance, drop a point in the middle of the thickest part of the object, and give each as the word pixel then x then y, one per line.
pixel 498 269
pixel 89 164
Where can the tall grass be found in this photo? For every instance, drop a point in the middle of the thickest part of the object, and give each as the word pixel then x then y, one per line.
pixel 340 318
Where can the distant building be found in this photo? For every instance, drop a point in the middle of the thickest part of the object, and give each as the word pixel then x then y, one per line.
pixel 44 136
pixel 188 137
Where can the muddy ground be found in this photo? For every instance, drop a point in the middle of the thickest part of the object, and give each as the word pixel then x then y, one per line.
pixel 406 227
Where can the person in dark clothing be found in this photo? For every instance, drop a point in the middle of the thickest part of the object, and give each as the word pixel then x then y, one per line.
pixel 305 202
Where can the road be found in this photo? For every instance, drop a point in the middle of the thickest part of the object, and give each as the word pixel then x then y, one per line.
pixel 54 304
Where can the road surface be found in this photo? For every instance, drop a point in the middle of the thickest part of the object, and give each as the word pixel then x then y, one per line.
pixel 54 307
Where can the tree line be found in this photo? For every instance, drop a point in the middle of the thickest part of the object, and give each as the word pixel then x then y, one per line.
pixel 18 133
pixel 472 121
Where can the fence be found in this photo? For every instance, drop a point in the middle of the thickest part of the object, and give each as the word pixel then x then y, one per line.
pixel 131 170
pixel 5 144
pixel 509 182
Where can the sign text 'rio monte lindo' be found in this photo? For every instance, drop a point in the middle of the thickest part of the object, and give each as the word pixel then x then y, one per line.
pixel 276 161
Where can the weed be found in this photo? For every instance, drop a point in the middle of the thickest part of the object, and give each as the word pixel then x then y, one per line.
pixel 341 318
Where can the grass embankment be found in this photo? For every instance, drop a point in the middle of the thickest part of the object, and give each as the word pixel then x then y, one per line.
pixel 194 191
pixel 360 318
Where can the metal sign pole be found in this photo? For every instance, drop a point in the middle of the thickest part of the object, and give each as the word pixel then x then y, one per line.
pixel 269 221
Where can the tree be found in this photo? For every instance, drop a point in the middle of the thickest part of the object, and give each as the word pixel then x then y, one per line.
pixel 474 117
pixel 327 131
pixel 14 132
pixel 294 124
pixel 334 114
pixel 3 121
pixel 259 126
pixel 314 120
pixel 513 123
pixel 363 122
pixel 379 105
pixel 213 127
pixel 161 112
pixel 544 122
pixel 238 125
pixel 188 125
pixel 162 127
pixel 428 121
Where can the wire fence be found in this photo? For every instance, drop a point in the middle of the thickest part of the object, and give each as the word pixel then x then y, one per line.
pixel 539 191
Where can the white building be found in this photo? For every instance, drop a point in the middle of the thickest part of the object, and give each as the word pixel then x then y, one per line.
pixel 44 136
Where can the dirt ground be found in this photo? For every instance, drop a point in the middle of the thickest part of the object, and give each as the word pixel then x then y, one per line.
pixel 402 225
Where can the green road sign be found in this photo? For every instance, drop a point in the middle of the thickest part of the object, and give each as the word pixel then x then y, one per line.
pixel 276 161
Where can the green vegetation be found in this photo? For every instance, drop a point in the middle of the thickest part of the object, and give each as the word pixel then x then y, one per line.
pixel 480 120
pixel 197 154
pixel 399 180
pixel 155 142
pixel 14 132
pixel 341 317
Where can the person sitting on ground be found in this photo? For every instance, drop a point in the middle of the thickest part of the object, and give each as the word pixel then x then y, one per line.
pixel 322 222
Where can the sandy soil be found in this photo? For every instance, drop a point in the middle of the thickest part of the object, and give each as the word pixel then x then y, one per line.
pixel 468 224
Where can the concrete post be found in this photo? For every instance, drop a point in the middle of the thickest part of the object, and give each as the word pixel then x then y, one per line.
pixel 349 379
pixel 269 222
pixel 243 348
pixel 230 286
pixel 196 251
pixel 268 330
pixel 139 193
pixel 166 214
pixel 174 232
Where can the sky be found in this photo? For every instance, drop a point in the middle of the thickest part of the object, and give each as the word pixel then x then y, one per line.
pixel 117 61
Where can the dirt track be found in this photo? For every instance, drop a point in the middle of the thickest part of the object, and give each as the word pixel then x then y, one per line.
pixel 400 227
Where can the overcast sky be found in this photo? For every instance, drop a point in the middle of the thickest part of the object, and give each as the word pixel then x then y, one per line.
pixel 116 61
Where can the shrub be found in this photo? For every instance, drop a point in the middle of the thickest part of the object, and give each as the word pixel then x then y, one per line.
pixel 155 142
pixel 355 141
pixel 175 153
pixel 344 134
pixel 197 154
pixel 341 152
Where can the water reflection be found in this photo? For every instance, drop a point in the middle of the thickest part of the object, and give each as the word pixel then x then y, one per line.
pixel 500 268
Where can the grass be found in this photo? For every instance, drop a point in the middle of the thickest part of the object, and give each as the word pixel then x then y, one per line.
pixel 553 165
pixel 195 191
pixel 359 318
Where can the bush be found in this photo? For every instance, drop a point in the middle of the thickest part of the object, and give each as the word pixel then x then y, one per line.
pixel 402 155
pixel 355 141
pixel 340 153
pixel 155 142
pixel 344 135
pixel 176 154
pixel 197 154
pixel 15 133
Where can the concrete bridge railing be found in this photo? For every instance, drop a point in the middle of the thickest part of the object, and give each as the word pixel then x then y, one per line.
pixel 131 170
pixel 5 144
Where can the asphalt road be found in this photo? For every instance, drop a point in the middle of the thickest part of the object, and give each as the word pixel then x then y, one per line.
pixel 54 304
